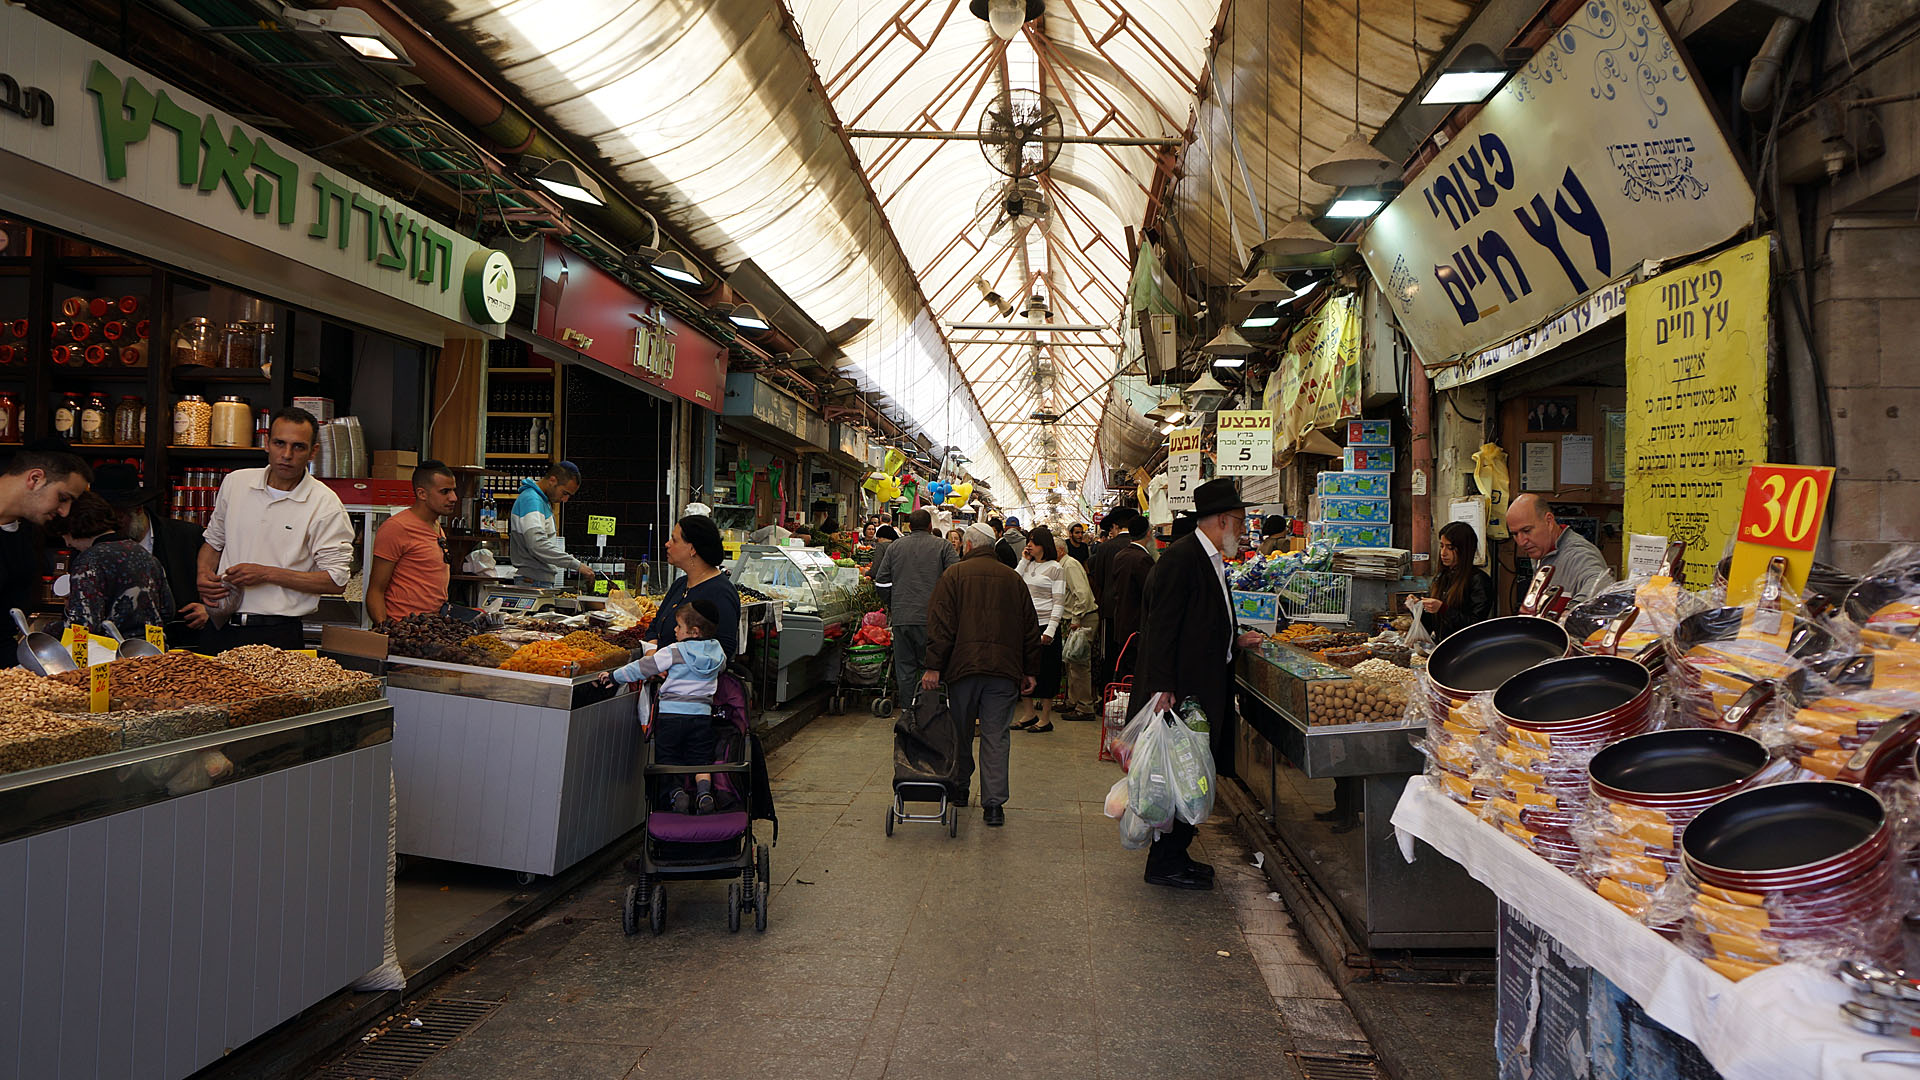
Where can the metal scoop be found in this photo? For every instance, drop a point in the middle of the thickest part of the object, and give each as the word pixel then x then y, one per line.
pixel 130 647
pixel 40 653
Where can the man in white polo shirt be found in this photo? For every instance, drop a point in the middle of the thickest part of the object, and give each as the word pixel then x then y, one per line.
pixel 277 540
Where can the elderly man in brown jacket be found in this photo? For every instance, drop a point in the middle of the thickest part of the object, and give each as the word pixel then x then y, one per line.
pixel 983 641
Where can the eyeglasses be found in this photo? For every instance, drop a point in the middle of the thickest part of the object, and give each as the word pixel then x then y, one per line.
pixel 445 552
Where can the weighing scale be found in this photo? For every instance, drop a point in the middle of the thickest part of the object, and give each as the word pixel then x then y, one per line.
pixel 524 599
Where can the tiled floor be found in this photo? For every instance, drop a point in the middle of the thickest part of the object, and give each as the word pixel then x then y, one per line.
pixel 1032 950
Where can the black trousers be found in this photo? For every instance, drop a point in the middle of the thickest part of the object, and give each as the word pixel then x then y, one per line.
pixel 1168 853
pixel 280 631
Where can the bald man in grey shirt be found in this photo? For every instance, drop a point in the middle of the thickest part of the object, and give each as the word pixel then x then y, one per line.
pixel 1578 566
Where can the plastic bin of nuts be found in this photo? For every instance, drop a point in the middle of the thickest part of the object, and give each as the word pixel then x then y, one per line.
pixel 327 684
pixel 158 683
pixel 33 738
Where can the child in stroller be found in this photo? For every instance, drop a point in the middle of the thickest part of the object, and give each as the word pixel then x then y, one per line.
pixel 683 726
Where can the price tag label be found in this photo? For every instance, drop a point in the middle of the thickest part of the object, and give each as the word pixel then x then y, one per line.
pixel 157 637
pixel 1782 515
pixel 99 688
pixel 600 586
pixel 598 525
pixel 314 653
pixel 76 637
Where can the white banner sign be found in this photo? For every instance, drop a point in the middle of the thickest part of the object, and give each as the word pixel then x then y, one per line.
pixel 1183 468
pixel 1598 155
pixel 1245 442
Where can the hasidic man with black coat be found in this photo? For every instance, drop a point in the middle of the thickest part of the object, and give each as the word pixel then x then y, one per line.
pixel 1187 643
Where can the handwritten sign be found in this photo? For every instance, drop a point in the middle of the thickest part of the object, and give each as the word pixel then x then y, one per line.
pixel 99 688
pixel 1183 467
pixel 599 525
pixel 157 637
pixel 76 638
pixel 1696 415
pixel 1780 515
pixel 1245 438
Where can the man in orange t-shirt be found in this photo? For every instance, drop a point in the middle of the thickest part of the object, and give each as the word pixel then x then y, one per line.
pixel 411 566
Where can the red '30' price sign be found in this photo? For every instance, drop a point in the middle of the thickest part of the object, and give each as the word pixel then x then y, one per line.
pixel 1784 506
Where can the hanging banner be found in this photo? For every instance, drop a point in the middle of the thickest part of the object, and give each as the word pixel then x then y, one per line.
pixel 1183 467
pixel 1696 415
pixel 1599 154
pixel 1245 442
pixel 1328 350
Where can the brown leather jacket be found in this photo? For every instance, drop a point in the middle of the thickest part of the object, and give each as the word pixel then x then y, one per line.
pixel 981 622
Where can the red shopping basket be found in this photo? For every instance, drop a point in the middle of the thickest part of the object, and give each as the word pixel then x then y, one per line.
pixel 1120 690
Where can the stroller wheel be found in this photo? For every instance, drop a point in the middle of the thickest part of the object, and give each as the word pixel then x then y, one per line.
pixel 953 821
pixel 733 906
pixel 883 706
pixel 760 907
pixel 657 910
pixel 630 911
pixel 889 821
pixel 526 877
pixel 765 861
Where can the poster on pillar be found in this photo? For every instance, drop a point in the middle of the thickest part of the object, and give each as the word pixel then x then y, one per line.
pixel 1696 415
pixel 1183 467
pixel 1598 154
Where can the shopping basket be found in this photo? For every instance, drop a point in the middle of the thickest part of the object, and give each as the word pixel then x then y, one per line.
pixel 1115 704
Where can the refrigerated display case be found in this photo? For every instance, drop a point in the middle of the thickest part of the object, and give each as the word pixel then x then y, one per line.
pixel 816 602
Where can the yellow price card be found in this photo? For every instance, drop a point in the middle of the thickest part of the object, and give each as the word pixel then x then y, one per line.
pixel 76 639
pixel 99 695
pixel 157 637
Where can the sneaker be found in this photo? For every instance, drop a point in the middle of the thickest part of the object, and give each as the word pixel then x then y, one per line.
pixel 704 804
pixel 679 801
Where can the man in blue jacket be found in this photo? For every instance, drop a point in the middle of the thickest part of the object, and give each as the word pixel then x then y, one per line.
pixel 539 551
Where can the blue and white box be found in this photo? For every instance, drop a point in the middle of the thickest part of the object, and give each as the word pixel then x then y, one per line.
pixel 1377 485
pixel 1368 458
pixel 1353 534
pixel 1369 433
pixel 1351 508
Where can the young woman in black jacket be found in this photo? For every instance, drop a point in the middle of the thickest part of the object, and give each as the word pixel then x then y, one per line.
pixel 1462 592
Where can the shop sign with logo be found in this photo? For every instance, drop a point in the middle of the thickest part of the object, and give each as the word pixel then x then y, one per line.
pixel 1696 415
pixel 592 312
pixel 164 148
pixel 1183 467
pixel 1245 442
pixel 751 396
pixel 1599 154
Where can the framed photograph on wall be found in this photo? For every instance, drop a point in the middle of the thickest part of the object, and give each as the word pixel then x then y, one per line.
pixel 1553 414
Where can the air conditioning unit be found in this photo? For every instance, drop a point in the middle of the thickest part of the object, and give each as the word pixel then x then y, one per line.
pixel 1157 335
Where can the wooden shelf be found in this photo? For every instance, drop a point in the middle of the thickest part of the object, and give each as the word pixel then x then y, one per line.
pixel 99 374
pixel 125 450
pixel 214 451
pixel 220 375
pixel 520 371
pixel 522 457
pixel 537 415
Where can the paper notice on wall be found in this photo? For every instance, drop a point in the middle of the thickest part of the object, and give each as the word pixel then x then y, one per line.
pixel 1536 468
pixel 1644 553
pixel 1576 460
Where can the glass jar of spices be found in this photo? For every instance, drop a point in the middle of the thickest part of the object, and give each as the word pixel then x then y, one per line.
pixel 96 421
pixel 232 422
pixel 192 421
pixel 130 421
pixel 66 417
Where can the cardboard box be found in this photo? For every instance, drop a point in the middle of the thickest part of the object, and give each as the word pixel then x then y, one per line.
pixel 395 457
pixel 392 472
pixel 320 407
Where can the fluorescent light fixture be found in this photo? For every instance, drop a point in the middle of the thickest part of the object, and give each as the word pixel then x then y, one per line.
pixel 1260 322
pixel 747 317
pixel 1173 419
pixel 1229 361
pixel 352 28
pixel 1355 205
pixel 674 267
pixel 1471 78
pixel 1300 292
pixel 569 181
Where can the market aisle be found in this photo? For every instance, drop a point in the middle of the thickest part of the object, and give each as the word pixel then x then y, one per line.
pixel 1025 951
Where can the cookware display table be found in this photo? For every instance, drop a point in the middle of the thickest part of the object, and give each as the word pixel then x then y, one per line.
pixel 1784 1022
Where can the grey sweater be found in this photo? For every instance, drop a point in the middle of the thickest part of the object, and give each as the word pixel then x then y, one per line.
pixel 912 565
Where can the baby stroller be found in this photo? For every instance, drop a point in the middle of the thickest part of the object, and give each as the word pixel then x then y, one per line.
pixel 715 845
pixel 866 670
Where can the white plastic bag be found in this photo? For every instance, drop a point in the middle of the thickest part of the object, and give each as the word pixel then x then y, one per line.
pixel 1134 833
pixel 1150 774
pixel 1078 648
pixel 1116 805
pixel 1194 778
pixel 1418 637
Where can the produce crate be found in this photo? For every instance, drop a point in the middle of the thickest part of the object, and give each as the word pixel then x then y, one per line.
pixel 1363 484
pixel 1368 458
pixel 1364 509
pixel 1369 433
pixel 1317 597
pixel 1348 534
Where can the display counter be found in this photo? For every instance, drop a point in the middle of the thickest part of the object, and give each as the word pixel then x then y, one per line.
pixel 524 772
pixel 1783 1022
pixel 161 912
pixel 815 596
pixel 1303 709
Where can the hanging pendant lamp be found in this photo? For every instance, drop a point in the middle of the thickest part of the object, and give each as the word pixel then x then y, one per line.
pixel 1207 392
pixel 1263 288
pixel 1298 236
pixel 1169 411
pixel 1355 164
pixel 1227 342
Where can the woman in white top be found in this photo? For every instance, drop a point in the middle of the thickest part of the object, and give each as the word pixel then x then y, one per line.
pixel 1046 582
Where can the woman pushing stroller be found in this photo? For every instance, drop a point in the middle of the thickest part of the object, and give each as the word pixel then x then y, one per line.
pixel 682 728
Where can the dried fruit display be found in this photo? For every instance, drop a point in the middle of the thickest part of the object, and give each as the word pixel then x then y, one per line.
pixel 550 658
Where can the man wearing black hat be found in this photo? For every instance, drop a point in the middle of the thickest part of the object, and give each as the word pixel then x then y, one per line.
pixel 174 544
pixel 1187 643
pixel 1113 537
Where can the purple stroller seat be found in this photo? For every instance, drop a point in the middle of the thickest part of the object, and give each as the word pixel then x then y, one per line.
pixel 696 828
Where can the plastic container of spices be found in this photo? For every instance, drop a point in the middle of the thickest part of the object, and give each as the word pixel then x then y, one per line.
pixel 130 421
pixel 66 417
pixel 232 422
pixel 194 344
pixel 96 421
pixel 192 421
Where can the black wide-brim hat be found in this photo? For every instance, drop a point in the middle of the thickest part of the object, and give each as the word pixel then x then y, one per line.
pixel 119 484
pixel 1217 496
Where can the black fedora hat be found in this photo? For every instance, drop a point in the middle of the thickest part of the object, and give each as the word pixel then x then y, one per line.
pixel 1217 496
pixel 119 484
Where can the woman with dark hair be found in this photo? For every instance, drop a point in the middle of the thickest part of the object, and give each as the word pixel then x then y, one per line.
pixel 113 577
pixel 1462 592
pixel 1047 584
pixel 695 550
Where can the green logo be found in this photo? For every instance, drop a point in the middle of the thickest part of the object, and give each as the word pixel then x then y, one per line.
pixel 490 287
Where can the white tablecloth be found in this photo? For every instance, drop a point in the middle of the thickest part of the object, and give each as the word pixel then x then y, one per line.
pixel 1782 1023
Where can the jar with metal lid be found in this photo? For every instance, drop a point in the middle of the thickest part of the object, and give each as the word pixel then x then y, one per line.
pixel 130 421
pixel 192 421
pixel 96 421
pixel 66 417
pixel 9 417
pixel 232 422
pixel 194 343
pixel 241 346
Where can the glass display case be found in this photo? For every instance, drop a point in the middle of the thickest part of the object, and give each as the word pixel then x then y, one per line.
pixel 805 579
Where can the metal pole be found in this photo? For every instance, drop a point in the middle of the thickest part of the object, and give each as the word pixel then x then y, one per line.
pixel 974 136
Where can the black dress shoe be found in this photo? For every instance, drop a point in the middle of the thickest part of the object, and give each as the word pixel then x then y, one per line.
pixel 1200 869
pixel 1329 815
pixel 1347 825
pixel 1184 878
pixel 994 815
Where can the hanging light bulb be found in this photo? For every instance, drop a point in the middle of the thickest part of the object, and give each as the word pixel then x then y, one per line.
pixel 1263 288
pixel 1355 164
pixel 1007 16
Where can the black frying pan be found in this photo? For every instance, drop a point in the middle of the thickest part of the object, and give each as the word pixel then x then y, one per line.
pixel 1876 592
pixel 1480 657
pixel 1576 688
pixel 1677 761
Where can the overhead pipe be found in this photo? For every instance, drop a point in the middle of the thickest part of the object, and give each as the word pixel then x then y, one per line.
pixel 1756 91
